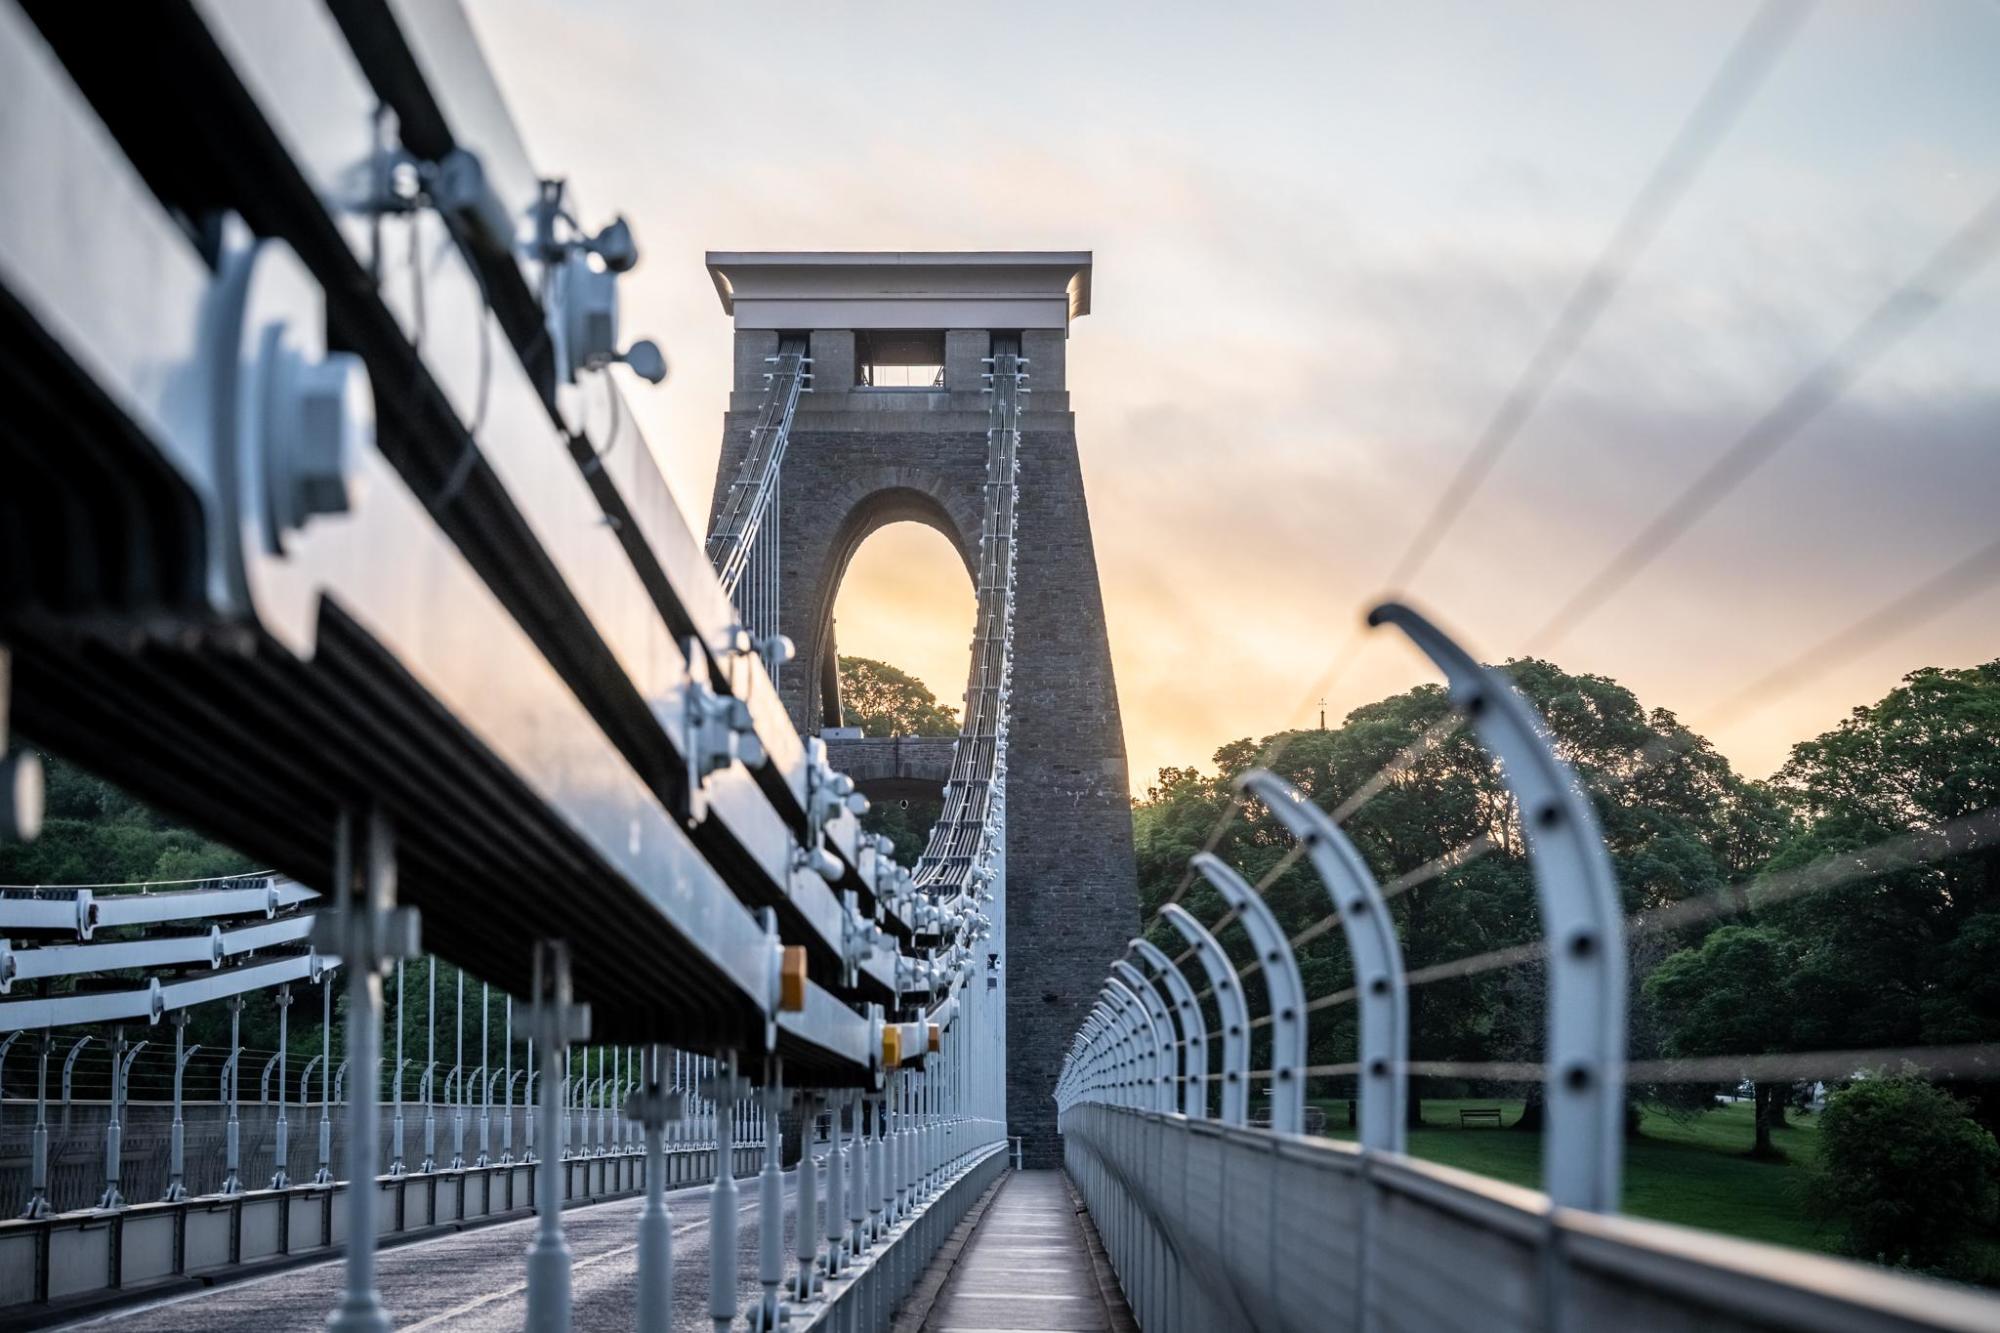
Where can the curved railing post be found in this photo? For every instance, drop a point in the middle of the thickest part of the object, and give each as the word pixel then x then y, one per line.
pixel 1085 1088
pixel 1281 985
pixel 114 1128
pixel 1193 1029
pixel 281 1135
pixel 38 1152
pixel 1131 1056
pixel 1093 1055
pixel 323 1171
pixel 1109 1038
pixel 528 1109
pixel 69 1066
pixel 426 1091
pixel 1164 1050
pixel 1582 920
pixel 1383 1001
pixel 177 1133
pixel 1228 990
pixel 232 1180
pixel 396 1164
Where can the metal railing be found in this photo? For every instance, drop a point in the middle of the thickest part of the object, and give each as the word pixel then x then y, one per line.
pixel 426 628
pixel 1214 1222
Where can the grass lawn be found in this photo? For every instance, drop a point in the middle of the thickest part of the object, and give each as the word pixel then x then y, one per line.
pixel 1695 1174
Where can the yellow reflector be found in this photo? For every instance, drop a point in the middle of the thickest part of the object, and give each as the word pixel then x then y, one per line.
pixel 792 980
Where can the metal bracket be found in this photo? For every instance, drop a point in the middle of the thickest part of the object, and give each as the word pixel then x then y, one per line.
pixel 1583 1141
pixel 1235 1016
pixel 1165 1066
pixel 582 312
pixel 1193 1027
pixel 719 731
pixel 1383 1001
pixel 1281 985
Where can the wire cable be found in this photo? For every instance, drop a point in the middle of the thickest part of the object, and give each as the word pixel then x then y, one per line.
pixel 1750 60
pixel 1905 309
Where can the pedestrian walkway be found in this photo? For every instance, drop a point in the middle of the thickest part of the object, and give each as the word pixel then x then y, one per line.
pixel 1027 1268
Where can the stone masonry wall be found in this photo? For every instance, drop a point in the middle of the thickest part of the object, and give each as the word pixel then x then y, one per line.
pixel 857 461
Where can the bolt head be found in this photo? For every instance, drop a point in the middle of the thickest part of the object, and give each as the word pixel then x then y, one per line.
pixel 331 419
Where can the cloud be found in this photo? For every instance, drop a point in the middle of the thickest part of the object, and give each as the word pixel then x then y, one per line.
pixel 1327 241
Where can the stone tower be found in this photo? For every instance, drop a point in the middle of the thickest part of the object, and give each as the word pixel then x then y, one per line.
pixel 895 429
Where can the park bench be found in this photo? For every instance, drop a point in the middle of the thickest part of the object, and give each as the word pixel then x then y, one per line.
pixel 1479 1115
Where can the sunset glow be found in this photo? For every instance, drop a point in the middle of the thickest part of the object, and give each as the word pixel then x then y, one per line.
pixel 1313 287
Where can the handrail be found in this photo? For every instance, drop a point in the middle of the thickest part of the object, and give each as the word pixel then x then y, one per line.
pixel 1286 995
pixel 1193 1028
pixel 1582 917
pixel 1371 941
pixel 1228 990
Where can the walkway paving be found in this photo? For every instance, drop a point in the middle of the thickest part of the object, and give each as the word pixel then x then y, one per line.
pixel 474 1281
pixel 1027 1267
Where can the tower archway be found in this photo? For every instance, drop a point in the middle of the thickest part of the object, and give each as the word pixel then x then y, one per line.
pixel 866 449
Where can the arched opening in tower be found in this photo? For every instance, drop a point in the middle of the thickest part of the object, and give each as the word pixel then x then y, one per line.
pixel 902 630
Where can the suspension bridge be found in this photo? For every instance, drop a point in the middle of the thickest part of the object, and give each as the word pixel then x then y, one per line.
pixel 330 532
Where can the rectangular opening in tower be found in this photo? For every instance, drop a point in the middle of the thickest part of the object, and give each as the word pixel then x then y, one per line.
pixel 899 358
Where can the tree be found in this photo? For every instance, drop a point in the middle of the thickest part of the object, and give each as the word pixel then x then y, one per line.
pixel 1906 1172
pixel 93 833
pixel 1909 958
pixel 1730 996
pixel 885 701
pixel 1674 829
pixel 906 824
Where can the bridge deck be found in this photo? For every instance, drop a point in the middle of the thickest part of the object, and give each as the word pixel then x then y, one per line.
pixel 1028 1267
pixel 473 1280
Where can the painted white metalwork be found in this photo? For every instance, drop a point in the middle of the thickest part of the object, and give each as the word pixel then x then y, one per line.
pixel 1193 1040
pixel 1222 980
pixel 1383 1001
pixel 560 1020
pixel 1582 918
pixel 1283 990
pixel 1165 1061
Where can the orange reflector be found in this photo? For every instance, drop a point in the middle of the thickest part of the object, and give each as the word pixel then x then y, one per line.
pixel 892 1047
pixel 937 1038
pixel 792 980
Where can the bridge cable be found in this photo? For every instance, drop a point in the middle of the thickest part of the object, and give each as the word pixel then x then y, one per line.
pixel 1928 598
pixel 1905 309
pixel 1750 60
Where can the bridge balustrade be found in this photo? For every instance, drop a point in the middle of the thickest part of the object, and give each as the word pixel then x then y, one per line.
pixel 369 585
pixel 1213 1222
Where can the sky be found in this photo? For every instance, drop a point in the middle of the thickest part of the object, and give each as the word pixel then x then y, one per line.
pixel 1328 237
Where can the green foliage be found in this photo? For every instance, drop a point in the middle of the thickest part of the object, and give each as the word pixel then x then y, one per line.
pixel 1906 1173
pixel 1913 957
pixel 906 824
pixel 1674 829
pixel 1731 996
pixel 1726 997
pixel 885 701
pixel 94 833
